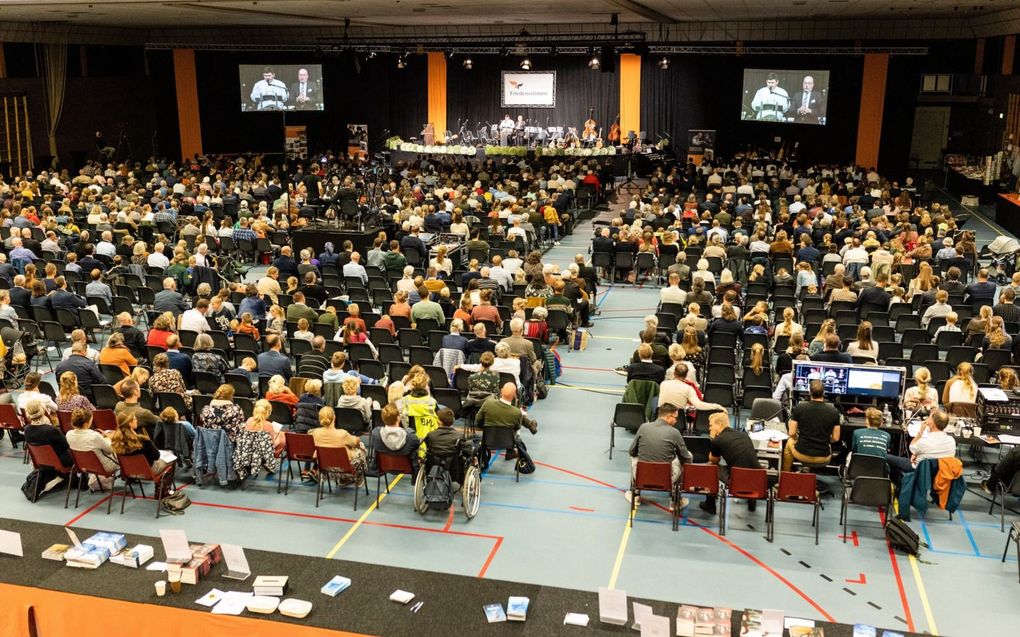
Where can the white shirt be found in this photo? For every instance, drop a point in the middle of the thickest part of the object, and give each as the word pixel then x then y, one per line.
pixel 158 260
pixel 28 396
pixel 502 276
pixel 194 321
pixel 672 294
pixel 106 248
pixel 932 445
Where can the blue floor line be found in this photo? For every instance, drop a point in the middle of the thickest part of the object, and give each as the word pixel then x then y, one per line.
pixel 962 554
pixel 970 536
pixel 927 537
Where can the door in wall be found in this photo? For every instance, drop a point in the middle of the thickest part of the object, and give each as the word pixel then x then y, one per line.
pixel 931 130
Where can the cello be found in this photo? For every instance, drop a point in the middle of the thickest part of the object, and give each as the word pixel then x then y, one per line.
pixel 614 132
pixel 589 133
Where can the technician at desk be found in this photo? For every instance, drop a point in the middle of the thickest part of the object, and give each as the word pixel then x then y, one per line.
pixel 814 425
pixel 930 442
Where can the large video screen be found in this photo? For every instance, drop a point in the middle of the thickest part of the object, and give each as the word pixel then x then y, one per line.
pixel 862 381
pixel 788 97
pixel 287 87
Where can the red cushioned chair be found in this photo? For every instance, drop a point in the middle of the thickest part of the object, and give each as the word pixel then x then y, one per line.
pixel 104 420
pixel 799 488
pixel 11 421
pixel 299 448
pixel 655 476
pixel 390 463
pixel 45 457
pixel 748 484
pixel 336 460
pixel 87 463
pixel 136 467
pixel 703 479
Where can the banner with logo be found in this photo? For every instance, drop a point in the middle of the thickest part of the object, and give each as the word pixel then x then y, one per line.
pixel 532 89
pixel 296 142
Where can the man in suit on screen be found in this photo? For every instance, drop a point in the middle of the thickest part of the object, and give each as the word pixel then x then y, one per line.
pixel 807 105
pixel 303 93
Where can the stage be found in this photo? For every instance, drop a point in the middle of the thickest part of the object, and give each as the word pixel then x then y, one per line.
pixel 641 163
pixel 316 236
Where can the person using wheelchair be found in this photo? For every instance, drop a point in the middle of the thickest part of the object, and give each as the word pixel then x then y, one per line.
pixel 450 447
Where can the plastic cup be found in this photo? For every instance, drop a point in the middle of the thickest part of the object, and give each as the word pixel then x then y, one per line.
pixel 967 432
pixel 977 431
pixel 160 588
pixel 175 581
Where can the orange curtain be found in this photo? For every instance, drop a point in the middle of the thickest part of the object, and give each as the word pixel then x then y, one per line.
pixel 1008 54
pixel 437 93
pixel 187 102
pixel 630 95
pixel 59 613
pixel 869 124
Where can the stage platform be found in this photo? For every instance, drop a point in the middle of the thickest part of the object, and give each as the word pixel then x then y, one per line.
pixel 315 237
pixel 641 163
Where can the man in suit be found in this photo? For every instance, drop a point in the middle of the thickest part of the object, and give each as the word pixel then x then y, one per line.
pixel 303 93
pixel 272 361
pixel 981 290
pixel 178 360
pixel 807 105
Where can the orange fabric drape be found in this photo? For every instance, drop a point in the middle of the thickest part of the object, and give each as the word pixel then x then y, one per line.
pixel 59 613
pixel 1008 54
pixel 437 93
pixel 869 124
pixel 3 63
pixel 187 102
pixel 630 95
pixel 979 56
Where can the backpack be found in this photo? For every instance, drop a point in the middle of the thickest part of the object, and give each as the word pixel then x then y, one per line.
pixel 33 485
pixel 438 488
pixel 524 462
pixel 902 537
pixel 176 503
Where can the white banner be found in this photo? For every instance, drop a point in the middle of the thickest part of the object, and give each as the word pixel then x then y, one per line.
pixel 535 89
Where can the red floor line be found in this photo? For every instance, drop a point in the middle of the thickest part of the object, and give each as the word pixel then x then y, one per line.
pixel 899 579
pixel 583 510
pixel 722 539
pixel 578 475
pixel 492 555
pixel 88 510
pixel 449 521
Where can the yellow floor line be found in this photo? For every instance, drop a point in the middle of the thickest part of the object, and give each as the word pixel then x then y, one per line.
pixel 928 614
pixel 932 628
pixel 606 390
pixel 619 555
pixel 364 516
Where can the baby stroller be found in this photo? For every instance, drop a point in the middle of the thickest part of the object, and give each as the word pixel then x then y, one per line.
pixel 1004 252
pixel 433 486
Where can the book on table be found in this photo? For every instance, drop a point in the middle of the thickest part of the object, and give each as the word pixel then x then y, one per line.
pixel 270 585
pixel 517 608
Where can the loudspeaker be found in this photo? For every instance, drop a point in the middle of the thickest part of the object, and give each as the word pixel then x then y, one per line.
pixel 607 57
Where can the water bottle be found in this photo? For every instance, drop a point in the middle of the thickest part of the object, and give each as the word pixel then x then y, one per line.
pixel 886 416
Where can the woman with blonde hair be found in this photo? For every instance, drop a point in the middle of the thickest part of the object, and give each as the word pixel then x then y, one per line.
pixel 162 328
pixel 789 326
pixel 996 338
pixel 1008 380
pixel 922 394
pixel 420 406
pixel 327 435
pixel 261 421
pixel 279 392
pixel 400 306
pixel 863 346
pixel 961 388
pixel 977 327
pixel 352 400
pixel 924 281
pixel 223 413
pixel 817 344
pixel 69 398
pixel 757 359
pixel 693 353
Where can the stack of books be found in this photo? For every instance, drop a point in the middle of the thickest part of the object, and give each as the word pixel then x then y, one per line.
pixel 336 586
pixel 133 557
pixel 271 585
pixel 517 608
pixel 112 542
pixel 56 552
pixel 86 556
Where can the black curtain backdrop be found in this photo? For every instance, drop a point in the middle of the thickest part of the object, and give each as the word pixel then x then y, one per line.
pixel 703 91
pixel 380 95
pixel 475 95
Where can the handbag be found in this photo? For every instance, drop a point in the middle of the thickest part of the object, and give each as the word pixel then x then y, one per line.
pixel 175 503
pixel 32 488
pixel 902 537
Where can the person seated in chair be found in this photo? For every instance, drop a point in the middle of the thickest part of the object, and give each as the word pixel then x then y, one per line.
pixel 831 353
pixel 735 447
pixel 931 442
pixel 814 425
pixel 396 439
pixel 1002 472
pixel 645 368
pixel 499 411
pixel 661 441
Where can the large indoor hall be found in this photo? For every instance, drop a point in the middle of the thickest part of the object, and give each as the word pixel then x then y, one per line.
pixel 402 318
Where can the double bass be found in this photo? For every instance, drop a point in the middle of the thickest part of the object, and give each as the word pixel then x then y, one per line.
pixel 614 131
pixel 590 133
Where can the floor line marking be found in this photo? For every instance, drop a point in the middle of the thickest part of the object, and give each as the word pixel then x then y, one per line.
pixel 492 555
pixel 899 579
pixel 970 536
pixel 449 520
pixel 620 552
pixel 924 596
pixel 361 520
pixel 715 535
pixel 88 510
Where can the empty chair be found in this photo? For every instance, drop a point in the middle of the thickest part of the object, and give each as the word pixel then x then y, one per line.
pixel 748 484
pixel 630 416
pixel 865 491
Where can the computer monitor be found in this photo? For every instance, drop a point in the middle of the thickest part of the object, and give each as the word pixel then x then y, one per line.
pixel 861 382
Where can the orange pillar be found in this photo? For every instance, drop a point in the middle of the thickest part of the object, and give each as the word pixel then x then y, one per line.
pixel 630 94
pixel 3 63
pixel 187 102
pixel 437 93
pixel 979 56
pixel 869 124
pixel 1008 54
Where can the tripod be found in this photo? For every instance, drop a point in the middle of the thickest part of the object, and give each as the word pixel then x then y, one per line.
pixel 630 174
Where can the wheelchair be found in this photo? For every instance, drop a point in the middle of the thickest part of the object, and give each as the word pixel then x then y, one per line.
pixel 462 468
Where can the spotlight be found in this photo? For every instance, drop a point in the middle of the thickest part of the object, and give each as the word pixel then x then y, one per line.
pixel 371 55
pixel 401 61
pixel 526 64
pixel 468 64
pixel 664 63
pixel 449 54
pixel 594 63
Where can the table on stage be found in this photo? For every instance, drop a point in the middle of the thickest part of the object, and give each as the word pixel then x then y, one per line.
pixel 316 237
pixel 1007 212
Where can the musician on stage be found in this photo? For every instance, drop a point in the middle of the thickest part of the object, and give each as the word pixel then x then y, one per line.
pixel 771 101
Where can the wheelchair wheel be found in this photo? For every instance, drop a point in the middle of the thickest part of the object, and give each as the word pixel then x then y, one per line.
pixel 419 491
pixel 471 491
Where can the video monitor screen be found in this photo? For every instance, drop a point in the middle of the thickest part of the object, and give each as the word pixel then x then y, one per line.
pixel 862 381
pixel 787 97
pixel 287 87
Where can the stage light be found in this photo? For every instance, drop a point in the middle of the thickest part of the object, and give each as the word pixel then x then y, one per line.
pixel 593 63
pixel 371 55
pixel 401 61
pixel 526 64
pixel 664 63
pixel 449 55
pixel 468 64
